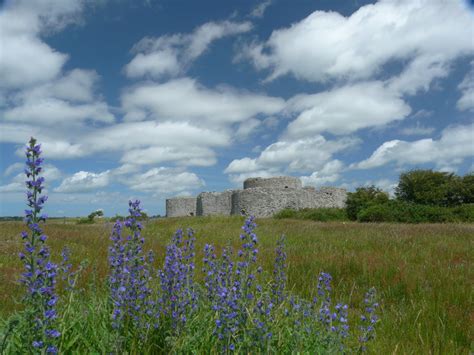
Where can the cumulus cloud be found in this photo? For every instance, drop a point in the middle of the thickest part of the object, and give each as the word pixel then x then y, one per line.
pixel 38 98
pixel 302 155
pixel 77 85
pixel 170 55
pixel 454 145
pixel 13 168
pixel 164 180
pixel 84 181
pixel 142 143
pixel 327 45
pixel 50 173
pixel 21 24
pixel 346 109
pixel 135 135
pixel 50 111
pixel 69 99
pixel 466 102
pixel 328 174
pixel 185 155
pixel 220 106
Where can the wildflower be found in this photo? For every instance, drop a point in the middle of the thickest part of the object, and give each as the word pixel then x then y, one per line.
pixel 129 274
pixel 369 318
pixel 40 276
pixel 178 294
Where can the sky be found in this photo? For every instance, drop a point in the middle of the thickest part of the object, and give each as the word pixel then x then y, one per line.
pixel 161 98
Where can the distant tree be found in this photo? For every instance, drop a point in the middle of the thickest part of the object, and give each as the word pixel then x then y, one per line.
pixel 90 217
pixel 428 187
pixel 98 213
pixel 468 187
pixel 362 198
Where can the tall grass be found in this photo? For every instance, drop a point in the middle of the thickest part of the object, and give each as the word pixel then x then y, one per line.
pixel 422 272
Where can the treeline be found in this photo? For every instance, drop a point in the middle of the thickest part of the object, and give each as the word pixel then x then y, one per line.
pixel 420 196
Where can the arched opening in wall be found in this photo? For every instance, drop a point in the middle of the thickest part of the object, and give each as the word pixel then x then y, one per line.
pixel 286 187
pixel 191 214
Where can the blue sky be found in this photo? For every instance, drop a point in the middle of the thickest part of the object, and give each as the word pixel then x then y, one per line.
pixel 154 99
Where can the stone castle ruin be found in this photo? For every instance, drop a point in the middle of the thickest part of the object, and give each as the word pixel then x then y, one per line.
pixel 261 197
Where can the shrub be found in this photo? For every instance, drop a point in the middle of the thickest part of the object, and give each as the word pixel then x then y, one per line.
pixel 286 213
pixel 428 187
pixel 85 221
pixel 377 213
pixel 362 198
pixel 464 213
pixel 468 186
pixel 404 212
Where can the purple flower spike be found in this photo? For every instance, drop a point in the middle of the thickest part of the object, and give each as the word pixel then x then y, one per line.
pixel 40 276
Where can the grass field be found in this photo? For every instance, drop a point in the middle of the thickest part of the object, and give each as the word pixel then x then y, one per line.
pixel 423 273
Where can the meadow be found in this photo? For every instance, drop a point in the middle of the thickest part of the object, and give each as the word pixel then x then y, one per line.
pixel 423 273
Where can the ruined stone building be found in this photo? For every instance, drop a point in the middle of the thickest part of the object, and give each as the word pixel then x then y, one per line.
pixel 261 197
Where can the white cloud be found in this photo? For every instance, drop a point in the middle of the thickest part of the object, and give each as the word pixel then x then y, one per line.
pixel 238 179
pixel 206 106
pixel 84 181
pixel 466 102
pixel 164 180
pixel 386 185
pixel 302 155
pixel 328 45
pixel 329 173
pixel 172 54
pixel 17 184
pixel 146 142
pixel 419 74
pixel 51 111
pixel 76 85
pixel 185 155
pixel 346 109
pixel 157 64
pixel 247 127
pixel 13 168
pixel 455 144
pixel 67 99
pixel 259 10
pixel 417 130
pixel 132 135
pixel 13 187
pixel 21 24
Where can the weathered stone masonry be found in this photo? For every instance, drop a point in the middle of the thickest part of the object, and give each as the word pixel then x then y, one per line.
pixel 261 197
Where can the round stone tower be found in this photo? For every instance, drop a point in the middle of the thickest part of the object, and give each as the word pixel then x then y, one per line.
pixel 277 182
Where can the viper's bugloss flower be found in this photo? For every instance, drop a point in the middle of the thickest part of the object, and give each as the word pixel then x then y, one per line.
pixel 369 318
pixel 178 291
pixel 130 274
pixel 40 276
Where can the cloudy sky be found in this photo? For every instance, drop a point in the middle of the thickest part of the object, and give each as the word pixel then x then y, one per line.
pixel 159 98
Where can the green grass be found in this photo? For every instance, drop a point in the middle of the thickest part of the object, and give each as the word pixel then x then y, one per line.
pixel 423 273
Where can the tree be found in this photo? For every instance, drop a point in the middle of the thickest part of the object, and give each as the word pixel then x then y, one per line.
pixel 428 187
pixel 362 198
pixel 468 187
pixel 98 213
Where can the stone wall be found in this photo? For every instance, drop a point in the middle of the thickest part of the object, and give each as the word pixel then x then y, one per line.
pixel 181 206
pixel 260 197
pixel 265 202
pixel 214 203
pixel 277 182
